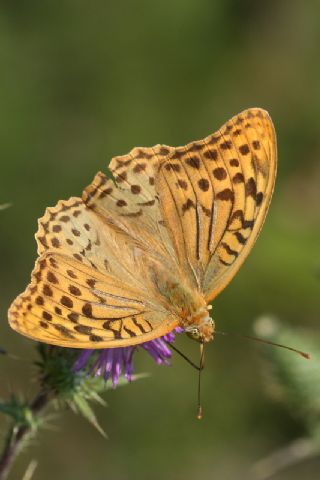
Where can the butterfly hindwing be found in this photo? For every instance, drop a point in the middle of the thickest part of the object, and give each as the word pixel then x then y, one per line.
pixel 130 202
pixel 90 286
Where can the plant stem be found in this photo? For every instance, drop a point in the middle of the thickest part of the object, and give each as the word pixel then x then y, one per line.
pixel 288 456
pixel 18 435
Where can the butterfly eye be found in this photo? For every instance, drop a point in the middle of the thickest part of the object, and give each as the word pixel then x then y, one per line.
pixel 194 333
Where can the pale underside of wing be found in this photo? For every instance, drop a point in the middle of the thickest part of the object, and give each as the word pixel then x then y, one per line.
pixel 130 204
pixel 215 195
pixel 91 286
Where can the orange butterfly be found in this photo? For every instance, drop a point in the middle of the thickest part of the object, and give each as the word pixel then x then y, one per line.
pixel 136 257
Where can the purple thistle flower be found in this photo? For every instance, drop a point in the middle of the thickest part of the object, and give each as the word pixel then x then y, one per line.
pixel 110 362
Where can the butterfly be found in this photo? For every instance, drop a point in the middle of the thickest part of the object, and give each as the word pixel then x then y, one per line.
pixel 140 255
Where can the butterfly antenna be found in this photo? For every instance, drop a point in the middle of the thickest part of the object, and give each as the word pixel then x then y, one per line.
pixel 199 409
pixel 268 342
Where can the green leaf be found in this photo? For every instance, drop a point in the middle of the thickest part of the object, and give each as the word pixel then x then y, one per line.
pixel 292 379
pixel 19 411
pixel 75 389
pixel 81 405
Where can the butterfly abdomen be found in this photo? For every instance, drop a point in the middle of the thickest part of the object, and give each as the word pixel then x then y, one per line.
pixel 178 295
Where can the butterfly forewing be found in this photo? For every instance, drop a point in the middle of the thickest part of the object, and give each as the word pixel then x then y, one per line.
pixel 254 144
pixel 214 197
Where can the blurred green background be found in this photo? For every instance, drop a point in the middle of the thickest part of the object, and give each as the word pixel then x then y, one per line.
pixel 83 81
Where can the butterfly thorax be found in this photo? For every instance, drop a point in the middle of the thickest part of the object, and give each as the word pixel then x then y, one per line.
pixel 188 305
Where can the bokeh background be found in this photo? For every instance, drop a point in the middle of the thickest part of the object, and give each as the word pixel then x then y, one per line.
pixel 83 81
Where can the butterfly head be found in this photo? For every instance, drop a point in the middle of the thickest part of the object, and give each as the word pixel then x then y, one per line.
pixel 201 327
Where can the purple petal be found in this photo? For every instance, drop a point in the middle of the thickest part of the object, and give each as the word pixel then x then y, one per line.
pixel 116 367
pixel 128 362
pixel 82 360
pixel 112 361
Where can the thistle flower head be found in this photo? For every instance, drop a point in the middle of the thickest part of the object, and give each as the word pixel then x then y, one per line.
pixel 111 362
